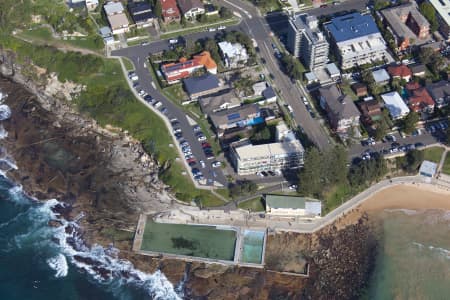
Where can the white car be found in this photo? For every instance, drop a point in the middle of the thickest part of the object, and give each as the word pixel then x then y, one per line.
pixel 202 163
pixel 201 138
pixel 173 41
pixel 157 104
pixel 211 29
pixel 216 164
pixel 221 28
pixel 293 187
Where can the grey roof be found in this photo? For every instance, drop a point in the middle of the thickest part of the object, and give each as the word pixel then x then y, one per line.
pixel 394 16
pixel 418 68
pixel 200 84
pixel 332 69
pixel 340 105
pixel 351 26
pixel 214 102
pixel 308 25
pixel 428 168
pixel 440 89
pixel 113 8
pixel 380 75
pixel 234 115
pixel 105 31
pixel 311 206
pixel 187 5
pixel 140 11
pixel 268 93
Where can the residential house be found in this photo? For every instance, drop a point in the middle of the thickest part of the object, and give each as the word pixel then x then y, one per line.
pixel 91 4
pixel 395 104
pixel 418 70
pixel 202 85
pixel 407 25
pixel 106 34
pixel 234 55
pixel 282 205
pixel 170 12
pixel 242 116
pixel 381 77
pixel 269 95
pixel 341 111
pixel 259 87
pixel 400 71
pixel 360 89
pixel 421 101
pixel 356 40
pixel 174 72
pixel 223 100
pixel 118 21
pixel 191 8
pixel 440 92
pixel 211 10
pixel 142 14
pixel 370 110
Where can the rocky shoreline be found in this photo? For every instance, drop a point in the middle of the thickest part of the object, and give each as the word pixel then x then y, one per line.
pixel 106 180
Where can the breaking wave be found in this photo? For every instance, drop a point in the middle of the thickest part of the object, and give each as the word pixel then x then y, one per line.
pixel 59 264
pixel 441 251
pixel 5 112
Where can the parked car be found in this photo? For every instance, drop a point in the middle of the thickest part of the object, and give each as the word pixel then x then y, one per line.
pixel 212 29
pixel 164 110
pixel 157 104
pixel 216 164
pixel 173 41
pixel 293 187
pixel 202 163
pixel 201 138
pixel 221 27
pixel 196 128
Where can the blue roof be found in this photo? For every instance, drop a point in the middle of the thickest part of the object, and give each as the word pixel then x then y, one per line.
pixel 351 26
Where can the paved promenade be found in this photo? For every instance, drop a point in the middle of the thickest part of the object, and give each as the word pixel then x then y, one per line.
pixel 260 221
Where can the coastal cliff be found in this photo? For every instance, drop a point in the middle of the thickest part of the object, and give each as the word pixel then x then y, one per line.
pixel 107 180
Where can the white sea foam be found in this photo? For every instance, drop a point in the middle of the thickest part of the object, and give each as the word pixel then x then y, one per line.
pixel 59 264
pixel 3 132
pixel 5 112
pixel 441 251
pixel 2 96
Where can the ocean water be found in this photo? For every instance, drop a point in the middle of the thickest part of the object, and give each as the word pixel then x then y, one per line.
pixel 42 262
pixel 414 257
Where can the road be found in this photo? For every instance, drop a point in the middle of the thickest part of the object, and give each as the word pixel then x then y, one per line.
pixel 138 55
pixel 256 27
pixel 348 5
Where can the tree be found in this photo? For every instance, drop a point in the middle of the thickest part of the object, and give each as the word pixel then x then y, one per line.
pixel 447 137
pixel 311 175
pixel 413 160
pixel 262 135
pixel 157 9
pixel 292 67
pixel 410 121
pixel 225 13
pixel 429 13
pixel 336 165
pixel 381 130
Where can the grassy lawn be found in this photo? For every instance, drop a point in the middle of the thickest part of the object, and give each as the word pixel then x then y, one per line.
pixel 335 197
pixel 43 35
pixel 224 193
pixel 255 204
pixel 176 93
pixel 433 154
pixel 348 91
pixel 128 64
pixel 109 100
pixel 446 166
pixel 117 235
pixel 199 28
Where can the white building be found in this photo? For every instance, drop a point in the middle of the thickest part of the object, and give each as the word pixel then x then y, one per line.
pixel 283 205
pixel 91 4
pixel 250 159
pixel 234 55
pixel 428 168
pixel 395 104
pixel 307 42
pixel 118 21
pixel 442 8
pixel 357 40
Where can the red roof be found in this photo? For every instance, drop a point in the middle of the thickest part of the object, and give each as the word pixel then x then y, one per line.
pixel 184 68
pixel 401 71
pixel 169 9
pixel 420 99
pixel 411 86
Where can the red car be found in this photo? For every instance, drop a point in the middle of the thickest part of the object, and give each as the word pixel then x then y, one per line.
pixel 206 145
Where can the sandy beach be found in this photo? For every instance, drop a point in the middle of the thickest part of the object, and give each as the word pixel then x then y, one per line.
pixel 417 197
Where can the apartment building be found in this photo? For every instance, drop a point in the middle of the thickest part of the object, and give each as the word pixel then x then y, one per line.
pixel 307 42
pixel 357 40
pixel 443 15
pixel 407 25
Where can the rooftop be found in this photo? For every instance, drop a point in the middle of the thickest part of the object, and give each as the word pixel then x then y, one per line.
pixel 232 49
pixel 118 20
pixel 428 167
pixel 333 69
pixel 294 202
pixel 440 89
pixel 169 8
pixel 278 149
pixel 420 99
pixel 443 9
pixel 112 8
pixel 399 71
pixel 234 115
pixel 200 84
pixel 187 5
pixel 380 75
pixel 420 68
pixel 341 105
pixel 269 93
pixel 220 101
pixel 395 104
pixel 309 25
pixel 351 26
